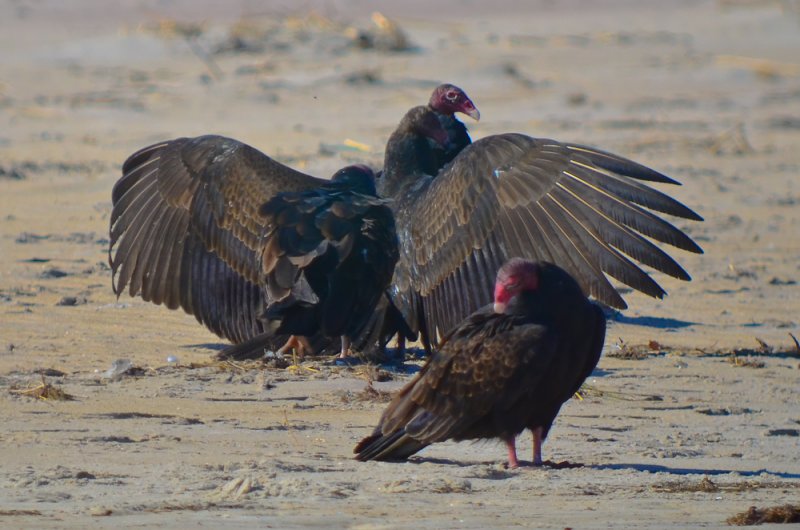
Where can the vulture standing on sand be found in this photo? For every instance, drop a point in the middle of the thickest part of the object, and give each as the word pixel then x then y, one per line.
pixel 506 195
pixel 506 368
pixel 186 230
pixel 328 256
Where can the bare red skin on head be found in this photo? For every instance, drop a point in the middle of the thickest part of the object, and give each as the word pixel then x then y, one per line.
pixel 516 276
pixel 449 99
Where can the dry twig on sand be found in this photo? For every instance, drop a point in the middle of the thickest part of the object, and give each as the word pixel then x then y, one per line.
pixel 44 391
pixel 775 514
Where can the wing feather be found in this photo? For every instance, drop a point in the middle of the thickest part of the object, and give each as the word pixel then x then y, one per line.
pixel 509 195
pixel 472 373
pixel 185 229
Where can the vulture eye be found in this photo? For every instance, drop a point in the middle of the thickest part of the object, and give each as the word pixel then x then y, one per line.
pixel 451 96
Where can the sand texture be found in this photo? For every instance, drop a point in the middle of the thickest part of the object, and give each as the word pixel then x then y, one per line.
pixel 693 414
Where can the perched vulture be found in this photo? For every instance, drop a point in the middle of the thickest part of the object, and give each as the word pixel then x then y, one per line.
pixel 186 229
pixel 506 368
pixel 506 195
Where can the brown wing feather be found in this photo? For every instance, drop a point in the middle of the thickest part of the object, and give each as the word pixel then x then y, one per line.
pixel 513 195
pixel 486 364
pixel 467 377
pixel 185 230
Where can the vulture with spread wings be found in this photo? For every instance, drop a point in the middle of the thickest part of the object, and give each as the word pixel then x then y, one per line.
pixel 508 367
pixel 583 209
pixel 186 228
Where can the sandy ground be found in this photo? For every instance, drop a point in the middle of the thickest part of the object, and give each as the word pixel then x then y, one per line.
pixel 674 431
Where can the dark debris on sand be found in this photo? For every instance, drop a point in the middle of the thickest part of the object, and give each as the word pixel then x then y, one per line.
pixel 747 357
pixel 636 351
pixel 706 485
pixel 369 394
pixel 775 514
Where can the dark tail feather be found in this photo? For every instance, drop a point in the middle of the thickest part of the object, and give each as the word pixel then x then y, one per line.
pixel 396 447
pixel 253 348
pixel 395 324
pixel 384 323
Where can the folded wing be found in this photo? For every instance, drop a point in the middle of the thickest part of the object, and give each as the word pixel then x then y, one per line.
pixel 487 364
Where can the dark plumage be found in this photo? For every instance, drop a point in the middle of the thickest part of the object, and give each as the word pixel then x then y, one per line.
pixel 328 256
pixel 505 368
pixel 186 231
pixel 446 100
pixel 507 195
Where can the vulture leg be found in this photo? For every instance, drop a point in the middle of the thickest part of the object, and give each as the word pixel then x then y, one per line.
pixel 296 344
pixel 345 353
pixel 289 346
pixel 513 463
pixel 537 453
pixel 537 446
pixel 305 345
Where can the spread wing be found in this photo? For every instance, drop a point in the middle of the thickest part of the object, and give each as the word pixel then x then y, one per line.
pixel 487 364
pixel 185 228
pixel 512 195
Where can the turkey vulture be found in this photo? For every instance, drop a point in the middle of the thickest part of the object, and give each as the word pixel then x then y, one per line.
pixel 328 256
pixel 506 368
pixel 506 195
pixel 185 228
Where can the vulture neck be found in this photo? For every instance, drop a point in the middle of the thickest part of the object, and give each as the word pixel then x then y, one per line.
pixel 526 303
pixel 407 153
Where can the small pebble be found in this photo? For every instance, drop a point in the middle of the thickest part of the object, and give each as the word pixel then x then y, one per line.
pixel 99 511
pixel 71 301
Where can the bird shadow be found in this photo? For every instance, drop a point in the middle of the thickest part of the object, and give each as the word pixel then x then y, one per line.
pixel 652 322
pixel 416 460
pixel 523 464
pixel 653 468
pixel 400 368
pixel 646 468
pixel 214 346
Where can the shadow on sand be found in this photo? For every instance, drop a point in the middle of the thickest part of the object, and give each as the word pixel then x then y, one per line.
pixel 647 468
pixel 651 468
pixel 652 322
pixel 214 346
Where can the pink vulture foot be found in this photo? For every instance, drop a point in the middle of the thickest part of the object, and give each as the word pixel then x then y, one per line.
pixel 295 345
pixel 345 352
pixel 513 463
pixel 537 446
